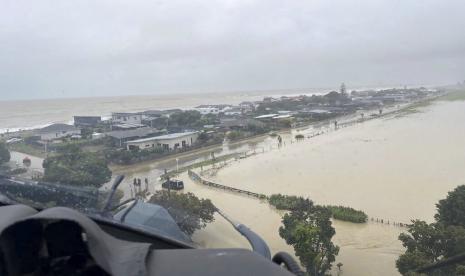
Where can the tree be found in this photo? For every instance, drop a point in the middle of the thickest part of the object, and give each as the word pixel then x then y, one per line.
pixel 428 243
pixel 343 89
pixel 4 153
pixel 308 229
pixel 188 118
pixel 74 167
pixel 451 210
pixel 189 212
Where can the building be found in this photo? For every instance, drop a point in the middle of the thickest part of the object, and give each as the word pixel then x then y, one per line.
pixel 208 110
pixel 57 131
pixel 171 141
pixel 120 137
pixel 212 108
pixel 233 111
pixel 87 121
pixel 126 118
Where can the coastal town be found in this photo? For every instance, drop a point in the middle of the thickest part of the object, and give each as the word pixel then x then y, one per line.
pixel 129 137
pixel 131 161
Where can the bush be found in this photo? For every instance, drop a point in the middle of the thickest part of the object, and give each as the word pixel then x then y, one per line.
pixel 236 135
pixel 284 202
pixel 4 153
pixel 17 171
pixel 74 167
pixel 126 157
pixel 348 214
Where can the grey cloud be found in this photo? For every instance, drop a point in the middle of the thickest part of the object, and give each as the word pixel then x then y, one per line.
pixel 99 48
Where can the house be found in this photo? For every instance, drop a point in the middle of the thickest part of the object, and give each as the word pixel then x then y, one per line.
pixel 153 113
pixel 266 117
pixel 212 108
pixel 126 126
pixel 126 118
pixel 233 111
pixel 87 121
pixel 120 137
pixel 171 141
pixel 57 131
pixel 208 110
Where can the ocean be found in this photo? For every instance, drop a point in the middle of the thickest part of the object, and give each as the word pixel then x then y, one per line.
pixel 31 114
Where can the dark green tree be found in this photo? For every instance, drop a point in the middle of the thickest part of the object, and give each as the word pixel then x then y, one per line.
pixel 70 165
pixel 451 210
pixel 428 243
pixel 308 229
pixel 190 212
pixel 188 118
pixel 4 153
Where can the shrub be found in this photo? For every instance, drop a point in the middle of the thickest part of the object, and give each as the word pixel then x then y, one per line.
pixel 348 214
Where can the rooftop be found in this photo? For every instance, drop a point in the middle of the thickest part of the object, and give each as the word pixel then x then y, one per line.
pixel 125 113
pixel 56 127
pixel 266 116
pixel 138 132
pixel 164 137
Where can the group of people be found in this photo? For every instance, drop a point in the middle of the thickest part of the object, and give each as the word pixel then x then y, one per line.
pixel 137 184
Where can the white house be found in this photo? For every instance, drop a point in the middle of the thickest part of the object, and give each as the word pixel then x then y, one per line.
pixel 208 110
pixel 57 131
pixel 232 111
pixel 169 141
pixel 126 118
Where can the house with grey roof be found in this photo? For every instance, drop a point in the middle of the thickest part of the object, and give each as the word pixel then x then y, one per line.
pixel 122 136
pixel 57 131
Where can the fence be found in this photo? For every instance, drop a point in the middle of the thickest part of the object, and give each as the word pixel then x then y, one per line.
pixel 194 176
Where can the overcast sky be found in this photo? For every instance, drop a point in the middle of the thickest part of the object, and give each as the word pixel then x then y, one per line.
pixel 101 48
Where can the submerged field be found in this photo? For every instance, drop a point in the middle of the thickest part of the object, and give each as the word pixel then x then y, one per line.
pixel 394 169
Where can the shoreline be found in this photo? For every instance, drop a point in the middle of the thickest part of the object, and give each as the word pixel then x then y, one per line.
pixel 353 120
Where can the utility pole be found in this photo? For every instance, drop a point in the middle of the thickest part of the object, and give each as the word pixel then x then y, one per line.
pixel 167 180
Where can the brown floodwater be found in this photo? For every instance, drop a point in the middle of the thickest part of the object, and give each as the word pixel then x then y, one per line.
pixel 395 169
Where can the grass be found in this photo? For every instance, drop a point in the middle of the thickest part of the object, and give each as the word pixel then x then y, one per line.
pixel 456 95
pixel 27 149
pixel 453 95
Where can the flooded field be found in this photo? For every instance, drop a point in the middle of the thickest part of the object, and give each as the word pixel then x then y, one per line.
pixel 395 168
